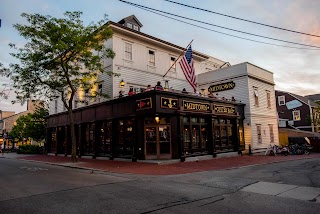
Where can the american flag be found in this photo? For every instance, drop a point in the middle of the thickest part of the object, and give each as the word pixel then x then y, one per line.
pixel 186 64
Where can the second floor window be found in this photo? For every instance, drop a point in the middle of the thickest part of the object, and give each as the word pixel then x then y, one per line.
pixel 173 63
pixel 135 27
pixel 128 51
pixel 152 58
pixel 256 96
pixel 296 115
pixel 268 99
pixel 281 100
pixel 56 106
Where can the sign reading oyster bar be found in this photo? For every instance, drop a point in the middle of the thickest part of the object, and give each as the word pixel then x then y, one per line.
pixel 222 87
pixel 224 109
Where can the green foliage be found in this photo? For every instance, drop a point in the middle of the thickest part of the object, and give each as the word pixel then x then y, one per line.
pixel 31 125
pixel 61 56
pixel 30 149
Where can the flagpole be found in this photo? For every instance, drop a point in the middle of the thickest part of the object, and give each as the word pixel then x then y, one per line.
pixel 177 59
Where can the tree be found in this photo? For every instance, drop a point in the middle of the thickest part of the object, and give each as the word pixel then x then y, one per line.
pixel 61 57
pixel 31 125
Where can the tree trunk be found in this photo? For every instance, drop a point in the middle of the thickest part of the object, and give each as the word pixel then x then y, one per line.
pixel 73 137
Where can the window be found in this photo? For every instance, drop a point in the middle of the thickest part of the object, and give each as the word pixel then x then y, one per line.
pixel 259 133
pixel 296 115
pixel 99 92
pixel 271 133
pixel 135 27
pixel 129 25
pixel 86 96
pixel 281 100
pixel 56 106
pixel 173 63
pixel 137 89
pixel 256 96
pixel 282 123
pixel 128 51
pixel 268 99
pixel 151 58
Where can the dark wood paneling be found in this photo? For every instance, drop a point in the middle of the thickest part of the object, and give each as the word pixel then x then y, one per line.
pixel 88 115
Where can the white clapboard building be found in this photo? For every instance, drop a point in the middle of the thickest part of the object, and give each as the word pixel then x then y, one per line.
pixel 140 60
pixel 253 86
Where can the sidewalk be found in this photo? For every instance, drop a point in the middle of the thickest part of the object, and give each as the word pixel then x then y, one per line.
pixel 147 168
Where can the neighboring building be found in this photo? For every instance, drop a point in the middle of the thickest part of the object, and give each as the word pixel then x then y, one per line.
pixel 294 112
pixel 254 87
pixel 7 123
pixel 140 60
pixel 3 115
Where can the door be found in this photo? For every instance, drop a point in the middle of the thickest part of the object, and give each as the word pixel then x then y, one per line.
pixel 158 142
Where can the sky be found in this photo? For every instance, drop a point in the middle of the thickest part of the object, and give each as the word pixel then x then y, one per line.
pixel 295 70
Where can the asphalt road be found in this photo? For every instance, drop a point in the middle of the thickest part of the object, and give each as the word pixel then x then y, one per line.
pixel 29 187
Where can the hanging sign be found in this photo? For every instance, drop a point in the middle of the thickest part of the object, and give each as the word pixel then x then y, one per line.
pixel 169 103
pixel 224 109
pixel 144 104
pixel 222 87
pixel 195 106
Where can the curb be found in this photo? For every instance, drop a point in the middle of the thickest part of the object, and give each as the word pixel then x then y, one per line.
pixel 127 173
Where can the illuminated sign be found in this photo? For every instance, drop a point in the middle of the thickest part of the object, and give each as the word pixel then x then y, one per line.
pixel 224 109
pixel 222 87
pixel 143 104
pixel 169 103
pixel 195 106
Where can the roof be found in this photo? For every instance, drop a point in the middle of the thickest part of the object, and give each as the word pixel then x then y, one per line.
pixel 314 97
pixel 129 18
pixel 302 99
pixel 156 39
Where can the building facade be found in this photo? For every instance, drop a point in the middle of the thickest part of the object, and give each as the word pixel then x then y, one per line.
pixel 150 125
pixel 140 60
pixel 297 112
pixel 254 87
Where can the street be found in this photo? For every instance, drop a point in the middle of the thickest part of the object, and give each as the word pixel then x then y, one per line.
pixel 284 187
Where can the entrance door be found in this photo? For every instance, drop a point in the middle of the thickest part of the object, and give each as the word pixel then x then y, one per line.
pixel 158 142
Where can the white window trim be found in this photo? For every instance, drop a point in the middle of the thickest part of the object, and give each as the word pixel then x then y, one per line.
pixel 135 27
pixel 125 51
pixel 259 125
pixel 150 63
pixel 269 104
pixel 293 117
pixel 284 100
pixel 128 25
pixel 256 96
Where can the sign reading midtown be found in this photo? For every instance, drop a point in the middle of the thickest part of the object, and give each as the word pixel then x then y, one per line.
pixel 222 87
pixel 195 106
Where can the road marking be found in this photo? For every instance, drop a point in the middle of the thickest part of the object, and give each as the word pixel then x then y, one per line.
pixel 33 169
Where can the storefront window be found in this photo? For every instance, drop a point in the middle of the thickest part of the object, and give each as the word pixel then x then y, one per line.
pixel 195 134
pixel 126 137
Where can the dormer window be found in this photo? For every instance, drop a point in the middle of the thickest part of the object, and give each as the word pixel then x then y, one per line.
pixel 129 25
pixel 135 27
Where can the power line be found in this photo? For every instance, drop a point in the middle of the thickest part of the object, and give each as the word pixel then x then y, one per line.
pixel 141 6
pixel 252 40
pixel 246 20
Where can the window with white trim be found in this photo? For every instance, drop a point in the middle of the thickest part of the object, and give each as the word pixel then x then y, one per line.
pixel 268 99
pixel 129 25
pixel 137 89
pixel 281 100
pixel 271 133
pixel 152 58
pixel 173 63
pixel 128 51
pixel 259 133
pixel 296 115
pixel 256 96
pixel 135 27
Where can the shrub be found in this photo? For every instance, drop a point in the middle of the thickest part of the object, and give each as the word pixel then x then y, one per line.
pixel 29 149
